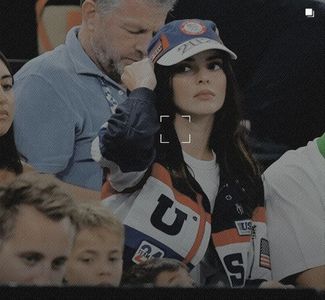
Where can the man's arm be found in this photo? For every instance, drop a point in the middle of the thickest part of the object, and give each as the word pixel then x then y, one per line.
pixel 312 278
pixel 78 193
pixel 44 125
pixel 125 144
pixel 295 221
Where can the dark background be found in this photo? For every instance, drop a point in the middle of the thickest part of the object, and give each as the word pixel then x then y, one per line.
pixel 18 28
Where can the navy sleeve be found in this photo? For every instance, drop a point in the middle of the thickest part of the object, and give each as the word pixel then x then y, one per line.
pixel 128 140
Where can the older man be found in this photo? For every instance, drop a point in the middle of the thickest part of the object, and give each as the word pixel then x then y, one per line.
pixel 65 95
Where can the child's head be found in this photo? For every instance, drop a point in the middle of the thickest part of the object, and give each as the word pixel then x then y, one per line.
pixel 96 257
pixel 159 272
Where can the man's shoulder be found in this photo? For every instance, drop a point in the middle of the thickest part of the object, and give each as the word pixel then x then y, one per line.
pixel 49 64
pixel 300 158
pixel 304 165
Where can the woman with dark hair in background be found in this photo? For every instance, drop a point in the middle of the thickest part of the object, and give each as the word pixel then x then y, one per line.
pixel 186 188
pixel 10 164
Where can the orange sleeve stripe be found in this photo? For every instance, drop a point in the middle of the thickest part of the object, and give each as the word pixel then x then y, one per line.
pixel 160 173
pixel 200 234
pixel 186 201
pixel 229 236
pixel 259 214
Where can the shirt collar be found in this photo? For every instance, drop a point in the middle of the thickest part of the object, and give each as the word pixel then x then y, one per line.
pixel 81 61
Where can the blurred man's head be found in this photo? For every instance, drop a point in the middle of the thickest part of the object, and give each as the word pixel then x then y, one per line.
pixel 36 231
pixel 117 33
pixel 97 254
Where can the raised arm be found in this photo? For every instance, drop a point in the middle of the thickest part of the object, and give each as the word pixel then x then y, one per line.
pixel 125 143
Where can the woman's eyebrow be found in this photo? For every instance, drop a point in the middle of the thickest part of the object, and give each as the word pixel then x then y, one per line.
pixel 214 56
pixel 189 59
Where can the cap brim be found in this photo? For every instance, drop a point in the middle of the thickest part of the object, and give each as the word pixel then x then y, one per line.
pixel 178 54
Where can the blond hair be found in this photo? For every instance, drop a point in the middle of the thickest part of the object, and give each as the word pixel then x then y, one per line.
pixel 90 216
pixel 43 192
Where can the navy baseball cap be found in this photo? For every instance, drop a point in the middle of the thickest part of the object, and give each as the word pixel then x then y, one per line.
pixel 181 39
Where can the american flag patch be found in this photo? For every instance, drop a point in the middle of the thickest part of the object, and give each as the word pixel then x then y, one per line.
pixel 265 261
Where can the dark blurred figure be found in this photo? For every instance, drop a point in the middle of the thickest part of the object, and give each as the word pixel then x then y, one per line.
pixel 18 29
pixel 280 66
pixel 159 272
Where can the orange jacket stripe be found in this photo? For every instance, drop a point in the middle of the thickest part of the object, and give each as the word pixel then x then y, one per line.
pixel 160 173
pixel 229 236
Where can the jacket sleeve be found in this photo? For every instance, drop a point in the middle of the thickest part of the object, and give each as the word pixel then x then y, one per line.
pixel 125 143
pixel 260 269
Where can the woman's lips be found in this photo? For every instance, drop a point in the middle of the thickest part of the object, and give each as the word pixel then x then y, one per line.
pixel 205 94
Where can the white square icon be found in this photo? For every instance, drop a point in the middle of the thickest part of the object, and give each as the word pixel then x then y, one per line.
pixel 309 13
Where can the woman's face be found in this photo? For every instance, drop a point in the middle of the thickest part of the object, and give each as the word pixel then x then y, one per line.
pixel 199 84
pixel 6 99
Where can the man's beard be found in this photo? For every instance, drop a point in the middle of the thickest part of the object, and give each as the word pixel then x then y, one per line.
pixel 109 62
pixel 112 68
pixel 114 71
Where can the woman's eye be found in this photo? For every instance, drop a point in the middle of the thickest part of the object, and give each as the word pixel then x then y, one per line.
pixel 215 66
pixel 183 69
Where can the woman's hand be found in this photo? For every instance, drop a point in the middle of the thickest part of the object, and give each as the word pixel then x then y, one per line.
pixel 275 285
pixel 139 74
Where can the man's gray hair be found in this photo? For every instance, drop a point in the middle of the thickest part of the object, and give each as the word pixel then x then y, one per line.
pixel 107 5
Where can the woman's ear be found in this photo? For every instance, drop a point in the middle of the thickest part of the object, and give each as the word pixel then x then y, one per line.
pixel 88 13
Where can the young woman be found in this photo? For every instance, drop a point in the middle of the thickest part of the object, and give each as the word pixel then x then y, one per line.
pixel 10 164
pixel 179 174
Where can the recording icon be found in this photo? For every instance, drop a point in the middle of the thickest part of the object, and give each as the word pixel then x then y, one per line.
pixel 309 13
pixel 161 138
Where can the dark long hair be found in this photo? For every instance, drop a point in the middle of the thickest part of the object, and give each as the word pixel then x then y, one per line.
pixel 227 138
pixel 9 157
